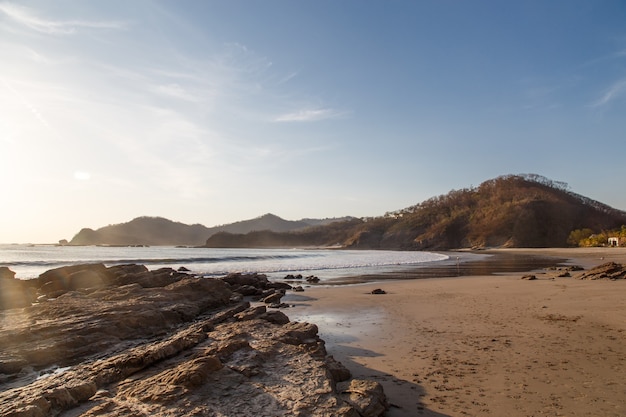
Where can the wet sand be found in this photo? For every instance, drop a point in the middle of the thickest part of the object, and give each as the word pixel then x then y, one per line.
pixel 484 345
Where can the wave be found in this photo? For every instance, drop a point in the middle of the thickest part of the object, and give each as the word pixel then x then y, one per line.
pixel 151 261
pixel 31 262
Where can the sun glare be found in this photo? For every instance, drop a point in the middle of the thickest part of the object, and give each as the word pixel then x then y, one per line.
pixel 82 176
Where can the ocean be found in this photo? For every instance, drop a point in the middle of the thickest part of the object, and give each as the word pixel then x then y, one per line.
pixel 28 261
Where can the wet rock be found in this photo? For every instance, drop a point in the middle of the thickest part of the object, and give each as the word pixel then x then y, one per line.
pixel 529 277
pixel 312 279
pixel 279 286
pixel 274 298
pixel 291 277
pixel 279 305
pixel 378 291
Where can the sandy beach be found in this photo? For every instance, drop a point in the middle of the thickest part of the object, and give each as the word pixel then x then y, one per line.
pixel 493 345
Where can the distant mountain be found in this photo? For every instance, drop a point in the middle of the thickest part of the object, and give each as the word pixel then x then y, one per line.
pixel 524 210
pixel 157 231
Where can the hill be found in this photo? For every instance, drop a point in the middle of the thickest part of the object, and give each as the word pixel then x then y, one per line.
pixel 525 210
pixel 156 231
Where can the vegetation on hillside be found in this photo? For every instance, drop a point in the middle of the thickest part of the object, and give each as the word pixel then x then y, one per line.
pixel 589 238
pixel 525 210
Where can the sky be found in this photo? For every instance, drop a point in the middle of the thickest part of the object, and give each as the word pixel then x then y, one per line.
pixel 213 112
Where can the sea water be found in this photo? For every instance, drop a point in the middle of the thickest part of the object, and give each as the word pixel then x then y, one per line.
pixel 28 261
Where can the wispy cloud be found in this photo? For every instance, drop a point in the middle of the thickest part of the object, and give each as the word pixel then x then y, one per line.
pixel 287 78
pixel 614 92
pixel 28 18
pixel 175 91
pixel 309 115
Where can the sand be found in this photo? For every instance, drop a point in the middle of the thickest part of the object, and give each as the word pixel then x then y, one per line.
pixel 484 345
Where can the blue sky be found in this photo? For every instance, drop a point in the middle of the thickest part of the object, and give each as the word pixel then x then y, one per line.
pixel 217 111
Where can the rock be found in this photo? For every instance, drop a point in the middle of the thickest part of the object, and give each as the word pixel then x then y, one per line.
pixel 139 274
pixel 312 279
pixel 609 270
pixel 291 277
pixel 86 279
pixel 378 291
pixel 367 397
pixel 12 365
pixel 6 273
pixel 183 269
pixel 277 317
pixel 257 286
pixel 529 277
pixel 298 288
pixel 274 298
pixel 15 293
pixel 247 290
pixel 251 313
pixel 255 280
pixel 59 279
pixel 279 305
pixel 125 269
pixel 279 285
pixel 75 325
pixel 181 349
pixel 339 372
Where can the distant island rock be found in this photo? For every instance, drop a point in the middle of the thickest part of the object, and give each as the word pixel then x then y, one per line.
pixel 158 231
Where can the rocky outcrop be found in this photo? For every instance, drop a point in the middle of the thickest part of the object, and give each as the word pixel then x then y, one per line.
pixel 258 287
pixel 14 293
pixel 6 273
pixel 609 270
pixel 115 344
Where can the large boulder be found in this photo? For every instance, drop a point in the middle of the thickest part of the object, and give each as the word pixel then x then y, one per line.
pixel 148 279
pixel 73 277
pixel 366 396
pixel 14 293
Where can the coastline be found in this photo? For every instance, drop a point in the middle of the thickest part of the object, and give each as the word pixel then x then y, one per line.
pixel 483 345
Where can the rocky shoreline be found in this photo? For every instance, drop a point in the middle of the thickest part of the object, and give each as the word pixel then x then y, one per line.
pixel 124 341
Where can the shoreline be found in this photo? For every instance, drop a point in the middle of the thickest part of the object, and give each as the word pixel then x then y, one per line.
pixel 483 345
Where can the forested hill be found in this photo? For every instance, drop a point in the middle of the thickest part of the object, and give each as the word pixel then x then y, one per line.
pixel 508 211
pixel 154 231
